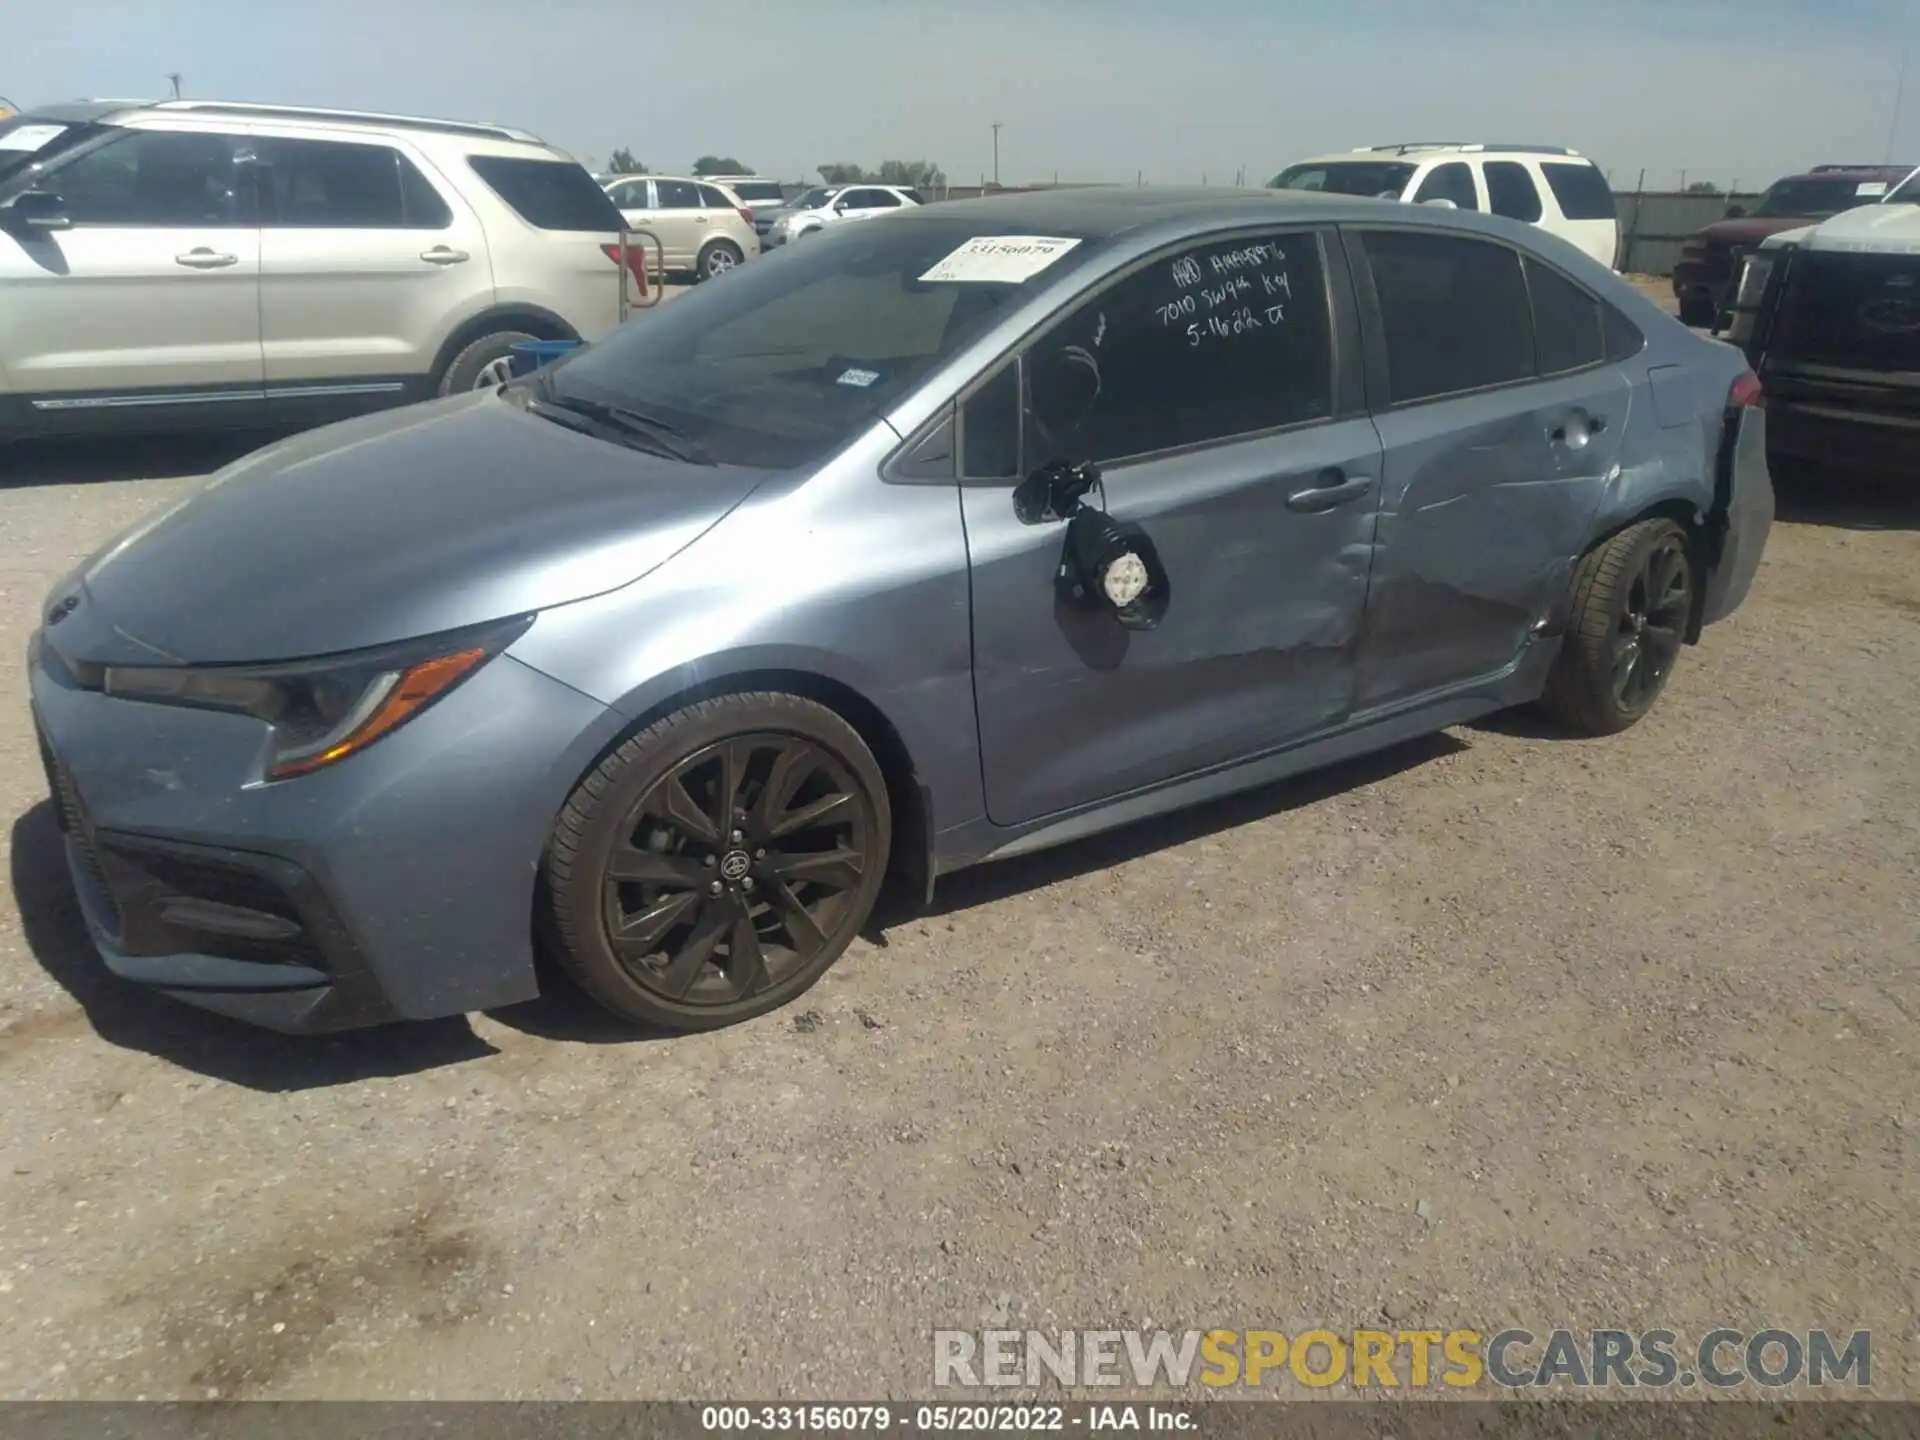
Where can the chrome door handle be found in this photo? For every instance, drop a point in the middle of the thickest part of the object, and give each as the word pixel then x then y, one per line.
pixel 201 258
pixel 1336 488
pixel 443 255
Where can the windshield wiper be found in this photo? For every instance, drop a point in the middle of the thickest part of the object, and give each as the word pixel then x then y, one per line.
pixel 664 439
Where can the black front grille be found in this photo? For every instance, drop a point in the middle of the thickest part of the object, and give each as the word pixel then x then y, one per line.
pixel 67 812
pixel 1854 312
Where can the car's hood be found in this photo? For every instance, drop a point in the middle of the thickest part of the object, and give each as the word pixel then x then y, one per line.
pixel 1877 229
pixel 397 525
pixel 1746 231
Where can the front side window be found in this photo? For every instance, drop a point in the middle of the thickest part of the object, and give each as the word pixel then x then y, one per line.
pixel 1451 181
pixel 787 362
pixel 1453 312
pixel 632 195
pixel 813 199
pixel 1511 191
pixel 152 178
pixel 1216 341
pixel 331 185
pixel 990 428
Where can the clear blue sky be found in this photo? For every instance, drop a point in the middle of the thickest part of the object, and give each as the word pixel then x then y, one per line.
pixel 1091 89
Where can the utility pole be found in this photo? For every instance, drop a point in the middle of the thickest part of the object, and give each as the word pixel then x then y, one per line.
pixel 996 154
pixel 173 78
pixel 1899 95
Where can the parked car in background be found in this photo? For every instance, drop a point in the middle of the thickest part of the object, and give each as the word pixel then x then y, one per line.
pixel 703 227
pixel 1559 190
pixel 813 210
pixel 1703 276
pixel 1829 317
pixel 756 192
pixel 670 652
pixel 206 262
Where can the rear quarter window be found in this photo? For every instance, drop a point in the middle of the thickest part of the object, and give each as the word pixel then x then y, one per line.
pixel 1581 191
pixel 548 194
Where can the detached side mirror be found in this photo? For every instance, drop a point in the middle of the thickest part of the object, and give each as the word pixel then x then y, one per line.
pixel 1736 212
pixel 37 211
pixel 1117 566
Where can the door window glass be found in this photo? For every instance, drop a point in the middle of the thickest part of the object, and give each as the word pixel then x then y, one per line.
pixel 152 177
pixel 1451 181
pixel 1511 191
pixel 1453 311
pixel 677 194
pixel 326 184
pixel 990 428
pixel 1566 322
pixel 1206 344
pixel 712 199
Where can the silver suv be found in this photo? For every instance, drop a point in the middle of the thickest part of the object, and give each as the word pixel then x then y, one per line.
pixel 195 262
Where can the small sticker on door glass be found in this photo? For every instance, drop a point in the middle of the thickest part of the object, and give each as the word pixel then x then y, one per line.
pixel 1000 259
pixel 857 378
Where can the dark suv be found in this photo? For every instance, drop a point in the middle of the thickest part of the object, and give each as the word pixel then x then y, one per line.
pixel 1711 259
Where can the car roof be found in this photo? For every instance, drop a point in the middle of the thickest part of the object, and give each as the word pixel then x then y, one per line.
pixel 120 111
pixel 1101 210
pixel 1414 151
pixel 1852 172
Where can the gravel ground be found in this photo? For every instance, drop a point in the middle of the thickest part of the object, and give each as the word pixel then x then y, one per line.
pixel 1496 1028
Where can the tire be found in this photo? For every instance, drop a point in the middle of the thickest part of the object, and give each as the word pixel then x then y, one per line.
pixel 1698 313
pixel 483 357
pixel 1636 586
pixel 636 856
pixel 719 257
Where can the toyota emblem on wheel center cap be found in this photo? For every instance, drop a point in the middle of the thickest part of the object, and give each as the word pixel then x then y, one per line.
pixel 736 864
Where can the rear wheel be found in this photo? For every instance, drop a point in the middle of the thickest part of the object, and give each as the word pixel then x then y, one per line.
pixel 1633 597
pixel 719 257
pixel 483 364
pixel 716 864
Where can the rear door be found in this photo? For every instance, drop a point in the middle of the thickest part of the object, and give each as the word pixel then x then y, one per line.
pixel 680 220
pixel 1205 382
pixel 367 263
pixel 153 295
pixel 1498 448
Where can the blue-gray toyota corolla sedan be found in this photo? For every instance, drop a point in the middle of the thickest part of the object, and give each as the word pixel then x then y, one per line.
pixel 938 539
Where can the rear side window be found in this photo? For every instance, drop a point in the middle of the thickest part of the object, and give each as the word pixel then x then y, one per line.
pixel 1580 190
pixel 712 199
pixel 1511 191
pixel 1454 313
pixel 1201 346
pixel 548 194
pixel 330 185
pixel 758 192
pixel 1566 322
pixel 1452 181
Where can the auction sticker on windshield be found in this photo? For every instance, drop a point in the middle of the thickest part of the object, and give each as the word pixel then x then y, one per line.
pixel 1000 259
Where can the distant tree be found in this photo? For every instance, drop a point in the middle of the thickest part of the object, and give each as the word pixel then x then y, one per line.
pixel 1703 187
pixel 842 173
pixel 719 165
pixel 621 162
pixel 911 173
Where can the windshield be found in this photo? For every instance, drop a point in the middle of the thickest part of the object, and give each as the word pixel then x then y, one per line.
pixel 789 358
pixel 1347 177
pixel 1791 199
pixel 26 141
pixel 1908 192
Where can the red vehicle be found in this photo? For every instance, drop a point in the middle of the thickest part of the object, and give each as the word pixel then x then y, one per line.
pixel 1704 276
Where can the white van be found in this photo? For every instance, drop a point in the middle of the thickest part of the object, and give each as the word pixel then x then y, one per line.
pixel 1557 189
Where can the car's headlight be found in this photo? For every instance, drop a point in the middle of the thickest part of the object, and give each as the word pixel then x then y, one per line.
pixel 1754 274
pixel 321 711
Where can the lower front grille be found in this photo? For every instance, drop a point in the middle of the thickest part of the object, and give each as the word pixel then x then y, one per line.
pixel 67 812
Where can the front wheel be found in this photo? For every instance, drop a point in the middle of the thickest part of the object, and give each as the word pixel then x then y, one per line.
pixel 715 865
pixel 1633 598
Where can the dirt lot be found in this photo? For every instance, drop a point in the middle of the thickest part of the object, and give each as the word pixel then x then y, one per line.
pixel 1494 1029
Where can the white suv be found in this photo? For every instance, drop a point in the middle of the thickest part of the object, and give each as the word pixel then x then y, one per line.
pixel 832 205
pixel 201 262
pixel 1557 189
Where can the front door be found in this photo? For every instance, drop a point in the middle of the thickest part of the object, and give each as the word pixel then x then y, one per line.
pixel 1202 383
pixel 154 293
pixel 365 264
pixel 1501 423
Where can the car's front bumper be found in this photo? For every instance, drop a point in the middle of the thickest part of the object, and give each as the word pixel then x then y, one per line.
pixel 397 884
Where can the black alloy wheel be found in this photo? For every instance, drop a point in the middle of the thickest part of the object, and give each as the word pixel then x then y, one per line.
pixel 1629 615
pixel 1652 625
pixel 710 870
